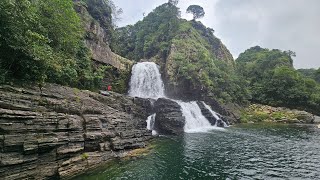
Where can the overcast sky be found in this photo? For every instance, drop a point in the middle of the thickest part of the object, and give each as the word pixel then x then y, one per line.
pixel 240 24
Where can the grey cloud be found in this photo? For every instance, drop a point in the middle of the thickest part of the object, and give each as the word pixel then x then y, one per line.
pixel 285 24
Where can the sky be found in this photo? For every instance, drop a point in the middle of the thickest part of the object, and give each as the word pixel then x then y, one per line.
pixel 241 24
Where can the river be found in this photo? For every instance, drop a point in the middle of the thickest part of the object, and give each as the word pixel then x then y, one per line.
pixel 247 151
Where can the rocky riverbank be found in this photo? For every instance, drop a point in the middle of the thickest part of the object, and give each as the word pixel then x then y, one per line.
pixel 61 131
pixel 264 113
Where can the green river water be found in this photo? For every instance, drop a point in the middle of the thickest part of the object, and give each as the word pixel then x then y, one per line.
pixel 248 151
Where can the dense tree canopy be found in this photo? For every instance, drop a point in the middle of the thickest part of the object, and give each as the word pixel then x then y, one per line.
pixel 149 37
pixel 43 41
pixel 273 80
pixel 311 73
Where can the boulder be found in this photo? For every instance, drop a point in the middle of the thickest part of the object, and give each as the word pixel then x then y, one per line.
pixel 169 119
pixel 304 117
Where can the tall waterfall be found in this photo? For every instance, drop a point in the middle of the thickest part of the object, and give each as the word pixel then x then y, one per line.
pixel 146 81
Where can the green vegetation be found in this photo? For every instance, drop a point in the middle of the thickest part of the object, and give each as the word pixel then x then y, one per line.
pixel 190 51
pixel 196 63
pixel 273 80
pixel 150 37
pixel 84 156
pixel 43 41
pixel 105 12
pixel 311 73
pixel 118 79
pixel 264 113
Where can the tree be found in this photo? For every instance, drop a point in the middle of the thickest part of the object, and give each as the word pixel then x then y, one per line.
pixel 290 53
pixel 173 2
pixel 317 75
pixel 197 11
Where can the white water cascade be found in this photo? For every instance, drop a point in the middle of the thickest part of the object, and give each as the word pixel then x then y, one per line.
pixel 214 114
pixel 195 121
pixel 146 82
pixel 150 123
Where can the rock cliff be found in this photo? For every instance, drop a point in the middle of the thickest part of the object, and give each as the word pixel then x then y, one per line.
pixel 97 40
pixel 61 131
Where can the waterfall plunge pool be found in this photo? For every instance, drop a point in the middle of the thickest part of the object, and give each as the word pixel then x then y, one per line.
pixel 246 151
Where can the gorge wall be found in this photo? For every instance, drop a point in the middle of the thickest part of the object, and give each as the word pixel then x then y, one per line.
pixel 97 39
pixel 61 131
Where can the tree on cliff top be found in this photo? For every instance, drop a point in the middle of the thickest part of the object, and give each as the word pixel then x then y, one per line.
pixel 196 10
pixel 173 2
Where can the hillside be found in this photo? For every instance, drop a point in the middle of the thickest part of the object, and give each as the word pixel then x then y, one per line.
pixel 63 42
pixel 194 62
pixel 273 80
pixel 311 73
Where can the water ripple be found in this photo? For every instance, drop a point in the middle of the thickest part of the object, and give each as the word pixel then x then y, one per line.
pixel 241 152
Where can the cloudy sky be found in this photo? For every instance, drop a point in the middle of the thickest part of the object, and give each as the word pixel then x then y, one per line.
pixel 240 24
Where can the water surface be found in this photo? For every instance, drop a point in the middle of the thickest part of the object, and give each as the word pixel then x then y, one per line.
pixel 250 151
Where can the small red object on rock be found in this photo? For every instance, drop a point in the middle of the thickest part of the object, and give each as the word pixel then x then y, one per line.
pixel 109 88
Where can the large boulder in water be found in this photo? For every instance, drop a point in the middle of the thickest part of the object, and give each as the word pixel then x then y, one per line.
pixel 169 119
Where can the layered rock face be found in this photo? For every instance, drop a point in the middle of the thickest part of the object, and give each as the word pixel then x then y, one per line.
pixel 97 40
pixel 61 131
pixel 169 118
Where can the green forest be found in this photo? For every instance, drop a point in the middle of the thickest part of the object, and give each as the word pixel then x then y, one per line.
pixel 43 42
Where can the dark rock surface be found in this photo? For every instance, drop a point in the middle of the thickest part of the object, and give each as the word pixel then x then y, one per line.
pixel 230 113
pixel 169 119
pixel 206 113
pixel 213 120
pixel 63 131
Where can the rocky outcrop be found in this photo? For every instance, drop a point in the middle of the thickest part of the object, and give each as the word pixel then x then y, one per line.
pixel 258 112
pixel 97 40
pixel 169 118
pixel 61 131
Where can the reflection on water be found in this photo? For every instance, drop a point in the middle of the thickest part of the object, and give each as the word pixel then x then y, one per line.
pixel 265 151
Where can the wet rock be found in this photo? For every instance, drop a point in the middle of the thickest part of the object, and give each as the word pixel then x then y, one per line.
pixel 169 118
pixel 206 113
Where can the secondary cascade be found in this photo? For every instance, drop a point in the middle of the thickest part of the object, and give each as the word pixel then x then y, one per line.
pixel 195 121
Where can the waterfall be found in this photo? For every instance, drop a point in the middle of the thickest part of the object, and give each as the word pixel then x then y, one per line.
pixel 195 121
pixel 150 124
pixel 146 81
pixel 215 115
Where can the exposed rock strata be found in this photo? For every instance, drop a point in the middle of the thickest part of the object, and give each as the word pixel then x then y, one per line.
pixel 63 131
pixel 97 40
